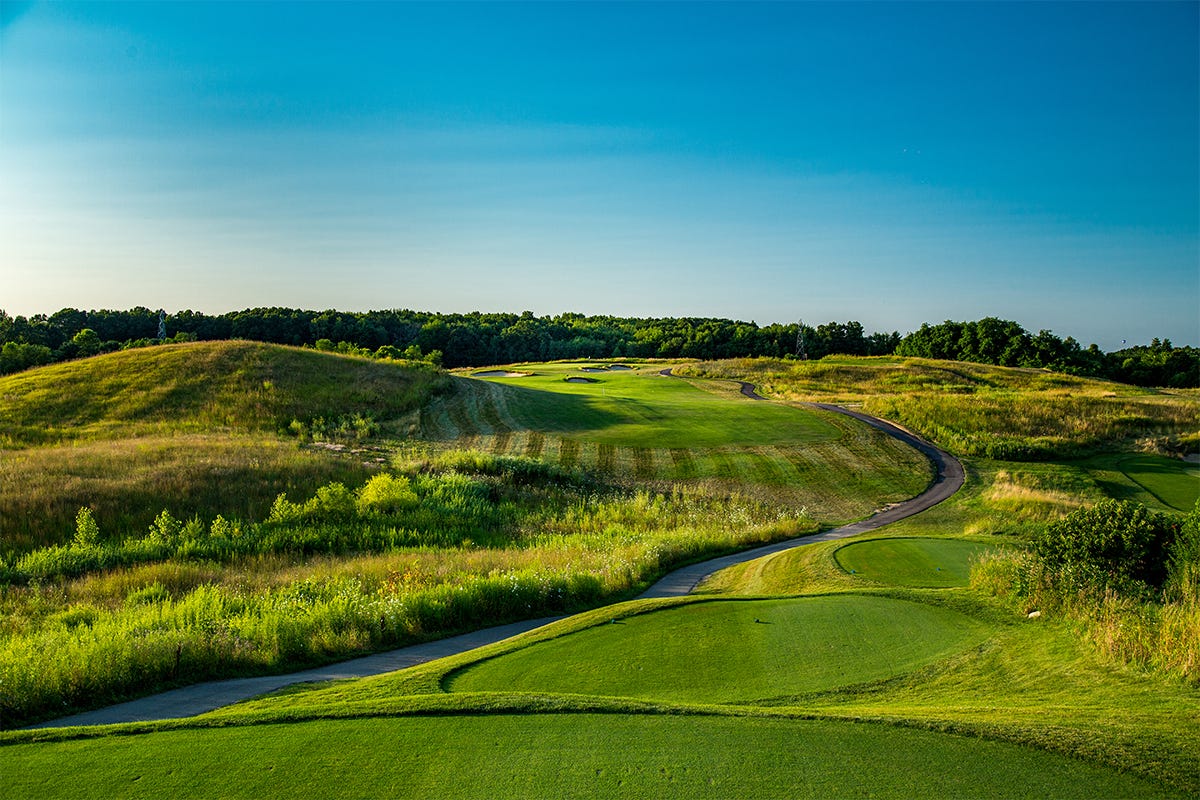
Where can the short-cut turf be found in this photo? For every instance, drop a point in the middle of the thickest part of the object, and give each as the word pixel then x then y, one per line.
pixel 919 563
pixel 734 651
pixel 641 408
pixel 559 755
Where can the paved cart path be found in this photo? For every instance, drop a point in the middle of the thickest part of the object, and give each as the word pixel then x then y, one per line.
pixel 202 697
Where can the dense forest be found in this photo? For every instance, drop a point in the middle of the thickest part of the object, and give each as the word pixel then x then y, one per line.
pixel 477 339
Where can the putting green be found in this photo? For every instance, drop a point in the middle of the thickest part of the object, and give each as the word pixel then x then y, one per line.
pixel 733 651
pixel 559 755
pixel 920 563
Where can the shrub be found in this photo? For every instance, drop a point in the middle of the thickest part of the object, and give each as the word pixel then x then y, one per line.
pixel 332 501
pixel 385 494
pixel 87 532
pixel 1112 545
pixel 165 529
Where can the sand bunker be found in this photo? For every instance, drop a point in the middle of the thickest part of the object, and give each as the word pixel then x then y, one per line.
pixel 594 369
pixel 501 373
pixel 619 366
pixel 580 379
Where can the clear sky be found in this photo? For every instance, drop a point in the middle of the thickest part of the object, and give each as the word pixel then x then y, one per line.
pixel 890 163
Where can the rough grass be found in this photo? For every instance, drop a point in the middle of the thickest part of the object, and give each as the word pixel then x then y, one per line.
pixel 199 428
pixel 127 482
pixel 982 410
pixel 203 387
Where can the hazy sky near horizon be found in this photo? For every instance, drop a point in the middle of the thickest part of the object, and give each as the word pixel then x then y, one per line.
pixel 891 163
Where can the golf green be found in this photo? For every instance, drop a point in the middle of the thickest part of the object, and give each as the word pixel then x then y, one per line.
pixel 919 563
pixel 734 651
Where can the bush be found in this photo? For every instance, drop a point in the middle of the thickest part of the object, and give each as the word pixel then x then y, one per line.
pixel 385 494
pixel 1114 545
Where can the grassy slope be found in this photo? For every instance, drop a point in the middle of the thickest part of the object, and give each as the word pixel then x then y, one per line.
pixel 196 428
pixel 983 410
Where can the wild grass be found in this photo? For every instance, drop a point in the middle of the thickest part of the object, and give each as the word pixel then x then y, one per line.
pixel 127 482
pixel 513 540
pixel 981 410
pixel 205 387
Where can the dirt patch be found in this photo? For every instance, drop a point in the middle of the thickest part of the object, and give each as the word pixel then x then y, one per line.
pixel 500 373
pixel 580 379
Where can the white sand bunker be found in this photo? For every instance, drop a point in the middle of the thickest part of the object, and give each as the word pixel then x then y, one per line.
pixel 501 373
pixel 580 379
pixel 619 366
pixel 594 369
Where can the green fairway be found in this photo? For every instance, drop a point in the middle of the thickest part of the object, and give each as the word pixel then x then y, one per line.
pixel 734 651
pixel 1173 482
pixel 642 427
pixel 641 408
pixel 927 563
pixel 569 755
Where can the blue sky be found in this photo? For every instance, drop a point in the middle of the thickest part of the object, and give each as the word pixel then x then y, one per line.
pixel 891 163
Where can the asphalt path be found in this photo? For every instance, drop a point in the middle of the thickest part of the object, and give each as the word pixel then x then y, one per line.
pixel 203 697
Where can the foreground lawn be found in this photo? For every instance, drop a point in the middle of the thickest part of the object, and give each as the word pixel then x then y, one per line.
pixel 561 755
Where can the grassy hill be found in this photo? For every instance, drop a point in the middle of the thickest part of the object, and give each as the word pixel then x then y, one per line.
pixel 198 428
pixel 983 410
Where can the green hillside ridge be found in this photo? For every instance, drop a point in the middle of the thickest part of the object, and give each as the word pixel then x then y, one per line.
pixel 204 387
pixel 202 428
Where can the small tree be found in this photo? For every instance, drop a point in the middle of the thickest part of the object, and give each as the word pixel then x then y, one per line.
pixel 87 532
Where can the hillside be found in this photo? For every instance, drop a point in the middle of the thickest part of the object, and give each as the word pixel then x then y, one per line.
pixel 201 428
pixel 982 410
pixel 203 387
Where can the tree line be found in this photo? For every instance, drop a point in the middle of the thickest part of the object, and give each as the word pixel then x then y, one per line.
pixel 478 339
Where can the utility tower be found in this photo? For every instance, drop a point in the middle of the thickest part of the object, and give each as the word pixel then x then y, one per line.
pixel 801 348
pixel 162 324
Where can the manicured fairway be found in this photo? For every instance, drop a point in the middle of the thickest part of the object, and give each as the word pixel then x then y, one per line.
pixel 640 408
pixel 1171 481
pixel 925 563
pixel 568 755
pixel 731 651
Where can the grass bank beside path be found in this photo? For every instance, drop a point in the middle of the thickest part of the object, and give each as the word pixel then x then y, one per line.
pixel 982 410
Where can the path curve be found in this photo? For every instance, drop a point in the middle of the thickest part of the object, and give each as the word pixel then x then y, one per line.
pixel 203 697
pixel 948 479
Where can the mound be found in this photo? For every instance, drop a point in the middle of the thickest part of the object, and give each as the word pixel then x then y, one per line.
pixel 203 387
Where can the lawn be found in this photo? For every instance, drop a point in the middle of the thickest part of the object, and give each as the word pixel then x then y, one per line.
pixel 927 563
pixel 556 755
pixel 739 651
